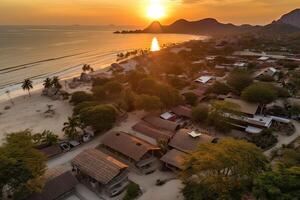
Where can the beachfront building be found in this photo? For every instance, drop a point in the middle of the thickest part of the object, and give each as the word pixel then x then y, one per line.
pixel 101 172
pixel 204 79
pixel 159 123
pixel 184 142
pixel 133 150
pixel 187 140
pixel 150 133
pixel 174 160
pixel 59 184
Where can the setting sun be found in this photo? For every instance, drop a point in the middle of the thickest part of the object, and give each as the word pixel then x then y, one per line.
pixel 155 10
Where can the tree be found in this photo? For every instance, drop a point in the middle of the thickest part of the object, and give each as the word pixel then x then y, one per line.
pixel 127 100
pixel 80 96
pixel 47 83
pixel 56 84
pixel 100 117
pixel 86 67
pixel 200 113
pixel 259 93
pixel 224 169
pixel 27 85
pixel 239 80
pixel 134 77
pixel 49 138
pixel 21 165
pixel 147 103
pixel 168 95
pixel 80 107
pixel 191 98
pixel 133 191
pixel 219 88
pixel 264 139
pixel 113 87
pixel 281 184
pixel 71 127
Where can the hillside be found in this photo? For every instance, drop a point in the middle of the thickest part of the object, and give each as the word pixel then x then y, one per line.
pixel 291 18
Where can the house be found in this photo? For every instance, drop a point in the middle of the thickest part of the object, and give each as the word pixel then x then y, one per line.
pixel 57 186
pixel 152 132
pixel 187 141
pixel 132 149
pixel 182 111
pixel 241 65
pixel 200 92
pixel 263 58
pixel 174 160
pixel 244 108
pixel 101 172
pixel 168 116
pixel 204 79
pixel 271 71
pixel 161 123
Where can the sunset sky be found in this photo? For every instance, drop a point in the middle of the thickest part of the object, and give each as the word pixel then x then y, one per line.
pixel 135 12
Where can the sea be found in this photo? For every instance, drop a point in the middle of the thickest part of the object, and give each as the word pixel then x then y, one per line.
pixel 37 52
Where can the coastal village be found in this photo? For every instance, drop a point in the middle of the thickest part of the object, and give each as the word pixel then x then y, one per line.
pixel 133 130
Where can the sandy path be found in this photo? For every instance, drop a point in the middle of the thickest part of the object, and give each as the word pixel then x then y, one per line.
pixel 28 113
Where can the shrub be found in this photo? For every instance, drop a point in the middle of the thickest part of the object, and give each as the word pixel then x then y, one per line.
pixel 133 191
pixel 191 98
pixel 101 117
pixel 239 80
pixel 200 113
pixel 100 81
pixel 266 78
pixel 265 139
pixel 79 97
pixel 219 88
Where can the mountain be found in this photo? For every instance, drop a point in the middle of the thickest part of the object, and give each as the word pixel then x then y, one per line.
pixel 288 23
pixel 204 26
pixel 291 18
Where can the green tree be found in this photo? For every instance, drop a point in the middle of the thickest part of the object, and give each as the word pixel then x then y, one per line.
pixel 84 105
pixel 147 103
pixel 71 127
pixel 190 98
pixel 264 139
pixel 260 93
pixel 239 80
pixel 49 137
pixel 281 184
pixel 133 191
pixel 80 96
pixel 112 87
pixel 21 165
pixel 200 113
pixel 219 88
pixel 224 169
pixel 100 117
pixel 127 100
pixel 27 85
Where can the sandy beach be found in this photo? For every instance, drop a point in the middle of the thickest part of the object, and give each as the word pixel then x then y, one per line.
pixel 29 113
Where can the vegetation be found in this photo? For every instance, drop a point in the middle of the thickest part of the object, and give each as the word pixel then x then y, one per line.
pixel 190 98
pixel 219 175
pixel 27 85
pixel 280 184
pixel 200 113
pixel 71 128
pixel 219 88
pixel 47 138
pixel 79 97
pixel 265 139
pixel 239 80
pixel 259 93
pixel 147 103
pixel 133 191
pixel 21 165
pixel 81 106
pixel 47 83
pixel 100 117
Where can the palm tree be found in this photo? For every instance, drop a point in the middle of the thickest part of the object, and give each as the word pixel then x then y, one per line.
pixel 10 99
pixel 47 83
pixel 27 85
pixel 71 127
pixel 86 68
pixel 56 84
pixel 49 137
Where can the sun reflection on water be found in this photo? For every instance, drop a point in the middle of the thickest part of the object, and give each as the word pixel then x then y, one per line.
pixel 155 45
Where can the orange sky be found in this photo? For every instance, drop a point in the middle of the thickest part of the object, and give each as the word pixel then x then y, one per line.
pixel 134 12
